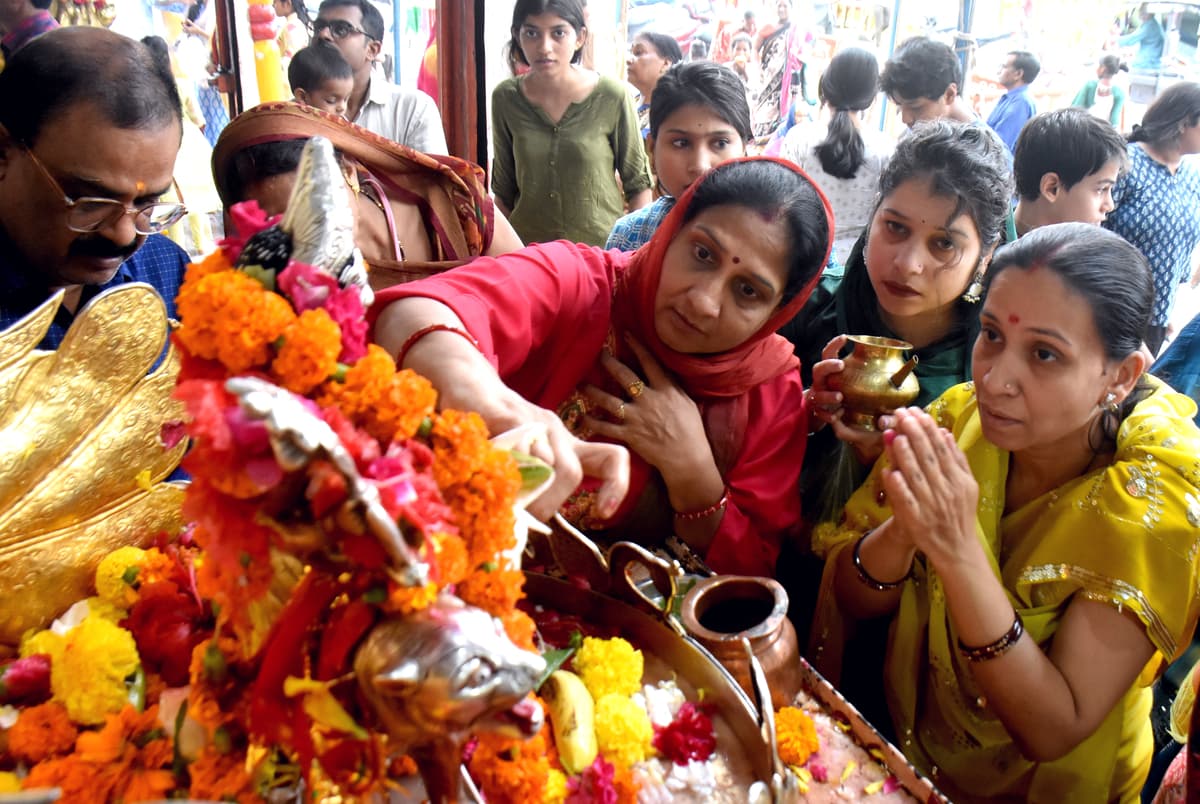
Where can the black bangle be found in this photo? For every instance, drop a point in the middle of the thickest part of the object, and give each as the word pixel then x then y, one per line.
pixel 998 648
pixel 869 579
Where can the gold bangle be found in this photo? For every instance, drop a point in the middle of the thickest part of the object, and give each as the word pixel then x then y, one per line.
pixel 998 648
pixel 869 579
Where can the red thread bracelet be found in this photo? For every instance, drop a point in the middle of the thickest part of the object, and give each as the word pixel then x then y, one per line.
pixel 423 331
pixel 719 505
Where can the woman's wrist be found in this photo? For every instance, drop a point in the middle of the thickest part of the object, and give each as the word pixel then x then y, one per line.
pixel 881 562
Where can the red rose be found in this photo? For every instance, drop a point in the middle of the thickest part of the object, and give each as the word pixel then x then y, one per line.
pixel 167 624
pixel 689 736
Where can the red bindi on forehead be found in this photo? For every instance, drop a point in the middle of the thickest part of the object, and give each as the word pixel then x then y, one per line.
pixel 737 260
pixel 1014 319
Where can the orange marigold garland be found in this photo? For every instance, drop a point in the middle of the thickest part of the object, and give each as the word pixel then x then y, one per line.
pixel 41 732
pixel 309 353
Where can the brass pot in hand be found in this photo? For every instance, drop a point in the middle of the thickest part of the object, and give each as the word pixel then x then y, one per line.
pixel 876 379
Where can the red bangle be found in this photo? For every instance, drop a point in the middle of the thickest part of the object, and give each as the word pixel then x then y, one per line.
pixel 719 505
pixel 423 331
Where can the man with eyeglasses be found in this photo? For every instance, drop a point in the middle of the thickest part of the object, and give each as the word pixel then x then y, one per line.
pixel 90 125
pixel 406 116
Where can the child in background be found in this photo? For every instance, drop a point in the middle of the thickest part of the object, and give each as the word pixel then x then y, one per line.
pixel 699 118
pixel 743 62
pixel 321 78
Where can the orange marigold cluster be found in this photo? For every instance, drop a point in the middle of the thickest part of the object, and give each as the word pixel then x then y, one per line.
pixel 511 771
pixel 229 316
pixel 41 732
pixel 388 404
pixel 449 557
pixel 222 777
pixel 796 735
pixel 308 356
pixel 496 592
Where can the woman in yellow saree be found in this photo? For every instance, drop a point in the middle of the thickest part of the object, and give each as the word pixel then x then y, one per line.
pixel 1035 537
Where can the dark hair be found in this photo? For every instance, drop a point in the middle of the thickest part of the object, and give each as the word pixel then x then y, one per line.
pixel 160 51
pixel 1027 63
pixel 1112 64
pixel 776 191
pixel 921 68
pixel 372 20
pixel 742 37
pixel 848 85
pixel 1113 278
pixel 702 83
pixel 42 4
pixel 698 49
pixel 1072 142
pixel 122 79
pixel 301 12
pixel 1177 107
pixel 255 163
pixel 963 161
pixel 315 64
pixel 569 10
pixel 665 46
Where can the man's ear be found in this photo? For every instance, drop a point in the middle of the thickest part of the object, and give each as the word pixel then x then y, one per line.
pixel 950 95
pixel 1049 186
pixel 373 49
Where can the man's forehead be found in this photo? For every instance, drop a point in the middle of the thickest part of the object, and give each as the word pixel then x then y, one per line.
pixel 349 13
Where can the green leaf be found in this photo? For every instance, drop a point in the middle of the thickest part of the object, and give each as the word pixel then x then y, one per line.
pixel 135 683
pixel 178 763
pixel 375 595
pixel 263 276
pixel 129 576
pixel 557 657
pixel 534 471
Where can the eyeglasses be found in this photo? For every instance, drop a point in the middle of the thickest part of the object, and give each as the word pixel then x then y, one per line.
pixel 92 214
pixel 338 29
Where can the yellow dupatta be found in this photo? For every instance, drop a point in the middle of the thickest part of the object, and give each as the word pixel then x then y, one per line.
pixel 1127 534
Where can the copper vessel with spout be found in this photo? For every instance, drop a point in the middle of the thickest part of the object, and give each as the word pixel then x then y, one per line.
pixel 876 379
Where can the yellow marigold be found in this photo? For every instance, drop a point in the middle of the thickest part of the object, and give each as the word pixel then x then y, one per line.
pixel 796 735
pixel 408 599
pixel 309 353
pixel 9 782
pixel 105 610
pixel 624 732
pixel 388 404
pixel 556 787
pixel 229 316
pixel 117 575
pixel 609 666
pixel 46 642
pixel 88 677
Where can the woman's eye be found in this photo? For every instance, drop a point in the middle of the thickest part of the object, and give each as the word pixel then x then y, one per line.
pixel 746 290
pixel 943 244
pixel 989 335
pixel 895 227
pixel 680 143
pixel 702 253
pixel 1045 355
pixel 721 145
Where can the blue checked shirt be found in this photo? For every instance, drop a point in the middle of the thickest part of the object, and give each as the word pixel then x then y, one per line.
pixel 634 230
pixel 159 262
pixel 1159 213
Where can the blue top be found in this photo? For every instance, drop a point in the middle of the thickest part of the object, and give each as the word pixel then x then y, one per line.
pixel 634 230
pixel 159 262
pixel 1179 365
pixel 1156 212
pixel 1150 39
pixel 1012 111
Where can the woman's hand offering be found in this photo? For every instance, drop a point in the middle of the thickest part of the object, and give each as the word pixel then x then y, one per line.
pixel 930 487
pixel 825 404
pixel 656 418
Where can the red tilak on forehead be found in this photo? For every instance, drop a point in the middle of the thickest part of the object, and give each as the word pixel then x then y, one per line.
pixel 737 260
pixel 1014 319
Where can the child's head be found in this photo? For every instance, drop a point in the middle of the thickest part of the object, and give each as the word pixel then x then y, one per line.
pixel 923 78
pixel 1109 66
pixel 568 11
pixel 942 203
pixel 699 118
pixel 742 46
pixel 321 77
pixel 1065 164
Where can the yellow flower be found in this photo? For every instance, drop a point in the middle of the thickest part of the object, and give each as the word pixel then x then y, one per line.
pixel 46 642
pixel 116 576
pixel 9 783
pixel 105 610
pixel 556 787
pixel 609 666
pixel 88 677
pixel 623 730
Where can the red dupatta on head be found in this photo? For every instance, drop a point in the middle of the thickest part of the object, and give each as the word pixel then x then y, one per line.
pixel 762 357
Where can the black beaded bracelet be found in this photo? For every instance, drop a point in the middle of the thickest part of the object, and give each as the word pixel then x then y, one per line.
pixel 869 579
pixel 998 648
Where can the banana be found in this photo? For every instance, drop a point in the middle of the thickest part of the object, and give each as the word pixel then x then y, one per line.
pixel 572 717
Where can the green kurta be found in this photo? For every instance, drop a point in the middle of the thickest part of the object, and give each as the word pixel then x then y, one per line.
pixel 558 178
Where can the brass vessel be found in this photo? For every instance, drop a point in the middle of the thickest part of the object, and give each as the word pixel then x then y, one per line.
pixel 876 379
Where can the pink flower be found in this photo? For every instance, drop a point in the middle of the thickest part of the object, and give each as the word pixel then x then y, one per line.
pixel 248 219
pixel 307 286
pixel 594 785
pixel 689 736
pixel 26 680
pixel 345 307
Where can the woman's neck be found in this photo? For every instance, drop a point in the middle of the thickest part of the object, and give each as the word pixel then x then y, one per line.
pixel 1167 154
pixel 1040 470
pixel 921 330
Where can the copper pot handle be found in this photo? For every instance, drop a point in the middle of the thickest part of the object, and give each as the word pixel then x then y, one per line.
pixel 623 557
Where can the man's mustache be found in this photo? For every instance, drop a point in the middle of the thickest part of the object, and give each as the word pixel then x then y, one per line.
pixel 101 248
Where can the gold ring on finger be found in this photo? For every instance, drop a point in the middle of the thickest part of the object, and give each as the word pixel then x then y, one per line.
pixel 635 389
pixel 620 412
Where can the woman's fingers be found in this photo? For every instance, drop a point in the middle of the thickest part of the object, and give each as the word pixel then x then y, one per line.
pixel 625 376
pixel 833 348
pixel 606 401
pixel 608 463
pixel 655 374
pixel 568 473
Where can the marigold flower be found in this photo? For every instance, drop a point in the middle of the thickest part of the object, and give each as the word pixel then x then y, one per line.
pixel 609 666
pixel 309 353
pixel 81 782
pixel 41 732
pixel 511 771
pixel 408 599
pixel 449 558
pixel 9 782
pixel 391 405
pixel 117 575
pixel 88 677
pixel 796 735
pixel 221 777
pixel 229 316
pixel 47 642
pixel 520 629
pixel 623 730
pixel 496 592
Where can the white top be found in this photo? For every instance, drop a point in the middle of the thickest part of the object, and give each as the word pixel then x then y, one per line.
pixel 852 199
pixel 407 116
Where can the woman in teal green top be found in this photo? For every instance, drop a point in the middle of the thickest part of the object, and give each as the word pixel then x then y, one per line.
pixel 1101 96
pixel 561 134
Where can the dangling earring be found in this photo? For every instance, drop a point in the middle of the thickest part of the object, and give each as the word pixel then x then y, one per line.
pixel 974 290
pixel 1110 404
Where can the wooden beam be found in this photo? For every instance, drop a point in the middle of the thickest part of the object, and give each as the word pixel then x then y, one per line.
pixel 460 24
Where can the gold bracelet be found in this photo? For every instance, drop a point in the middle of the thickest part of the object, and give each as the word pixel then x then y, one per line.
pixel 998 648
pixel 869 579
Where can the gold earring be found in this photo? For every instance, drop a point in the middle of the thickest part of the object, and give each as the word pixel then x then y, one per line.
pixel 974 290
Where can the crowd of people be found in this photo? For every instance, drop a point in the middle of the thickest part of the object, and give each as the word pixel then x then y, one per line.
pixel 996 574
